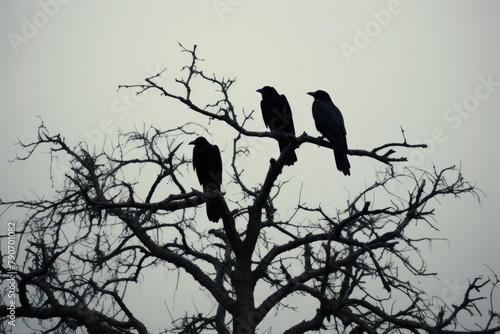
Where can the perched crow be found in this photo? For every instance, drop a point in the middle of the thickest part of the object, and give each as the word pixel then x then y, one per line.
pixel 277 117
pixel 330 123
pixel 208 166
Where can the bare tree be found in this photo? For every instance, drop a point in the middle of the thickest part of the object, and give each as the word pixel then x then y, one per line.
pixel 107 224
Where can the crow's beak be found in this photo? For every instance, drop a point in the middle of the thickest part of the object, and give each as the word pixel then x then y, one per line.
pixel 192 142
pixel 311 93
pixel 259 90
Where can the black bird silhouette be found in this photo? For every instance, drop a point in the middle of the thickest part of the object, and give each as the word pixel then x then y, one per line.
pixel 277 116
pixel 208 166
pixel 330 124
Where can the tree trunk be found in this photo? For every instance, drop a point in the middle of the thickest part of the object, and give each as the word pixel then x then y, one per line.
pixel 245 316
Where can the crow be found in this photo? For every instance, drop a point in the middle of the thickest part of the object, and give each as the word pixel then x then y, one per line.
pixel 208 166
pixel 330 124
pixel 277 116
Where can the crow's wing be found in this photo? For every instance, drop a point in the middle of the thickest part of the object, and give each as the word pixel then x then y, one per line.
pixel 286 115
pixel 330 123
pixel 207 163
pixel 267 111
pixel 216 166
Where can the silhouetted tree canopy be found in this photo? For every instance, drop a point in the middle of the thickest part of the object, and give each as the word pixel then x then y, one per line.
pixel 126 210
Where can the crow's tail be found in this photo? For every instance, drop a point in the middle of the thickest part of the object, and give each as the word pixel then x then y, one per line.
pixel 293 157
pixel 342 162
pixel 214 204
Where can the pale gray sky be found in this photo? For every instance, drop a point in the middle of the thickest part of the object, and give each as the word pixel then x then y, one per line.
pixel 431 67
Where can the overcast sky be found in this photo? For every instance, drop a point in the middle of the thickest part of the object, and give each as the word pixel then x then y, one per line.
pixel 430 67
